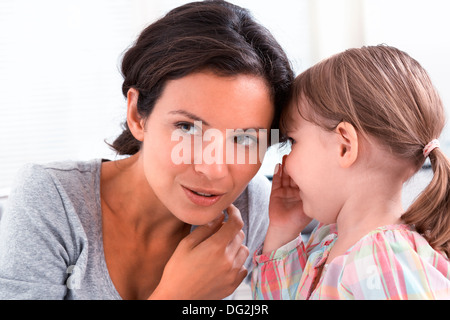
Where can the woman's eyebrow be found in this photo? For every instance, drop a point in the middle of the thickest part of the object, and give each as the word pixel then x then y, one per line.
pixel 189 115
pixel 197 118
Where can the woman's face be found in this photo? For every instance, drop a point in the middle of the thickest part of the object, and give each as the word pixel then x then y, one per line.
pixel 192 149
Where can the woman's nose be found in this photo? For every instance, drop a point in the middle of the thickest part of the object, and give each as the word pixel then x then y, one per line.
pixel 211 160
pixel 212 171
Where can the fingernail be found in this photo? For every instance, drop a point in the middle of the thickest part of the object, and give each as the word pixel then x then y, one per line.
pixel 216 220
pixel 277 168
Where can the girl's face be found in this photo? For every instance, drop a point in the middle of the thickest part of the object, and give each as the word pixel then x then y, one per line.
pixel 189 136
pixel 311 164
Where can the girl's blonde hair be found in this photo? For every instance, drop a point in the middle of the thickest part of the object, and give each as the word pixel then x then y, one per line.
pixel 386 94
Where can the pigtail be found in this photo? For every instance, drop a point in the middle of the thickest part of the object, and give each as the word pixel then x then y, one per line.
pixel 430 213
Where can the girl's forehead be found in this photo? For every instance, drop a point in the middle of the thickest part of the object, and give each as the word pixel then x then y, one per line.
pixel 294 116
pixel 289 120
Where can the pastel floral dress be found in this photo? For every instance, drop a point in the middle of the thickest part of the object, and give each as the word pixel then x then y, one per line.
pixel 391 262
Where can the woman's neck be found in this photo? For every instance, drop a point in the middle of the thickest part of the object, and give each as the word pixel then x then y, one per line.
pixel 129 198
pixel 139 233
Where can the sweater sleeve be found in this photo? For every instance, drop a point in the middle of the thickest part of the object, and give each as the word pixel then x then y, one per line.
pixel 277 274
pixel 35 241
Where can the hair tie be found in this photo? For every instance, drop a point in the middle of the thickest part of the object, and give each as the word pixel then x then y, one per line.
pixel 430 147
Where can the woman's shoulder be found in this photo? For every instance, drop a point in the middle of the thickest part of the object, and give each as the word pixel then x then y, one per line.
pixel 31 171
pixel 59 167
pixel 254 206
pixel 66 173
pixel 254 200
pixel 60 197
pixel 55 187
pixel 51 216
pixel 260 186
pixel 257 195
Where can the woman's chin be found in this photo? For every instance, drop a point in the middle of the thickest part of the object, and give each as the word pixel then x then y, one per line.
pixel 198 217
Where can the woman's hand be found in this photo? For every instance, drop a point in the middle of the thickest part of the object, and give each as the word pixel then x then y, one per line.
pixel 287 218
pixel 208 263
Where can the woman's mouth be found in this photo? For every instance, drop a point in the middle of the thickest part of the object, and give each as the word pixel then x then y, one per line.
pixel 204 198
pixel 203 194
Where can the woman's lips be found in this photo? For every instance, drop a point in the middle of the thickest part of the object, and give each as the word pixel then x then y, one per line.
pixel 204 198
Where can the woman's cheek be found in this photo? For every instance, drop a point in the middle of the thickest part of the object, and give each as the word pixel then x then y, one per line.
pixel 243 174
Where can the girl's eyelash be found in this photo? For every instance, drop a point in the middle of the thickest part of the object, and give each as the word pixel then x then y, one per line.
pixel 291 140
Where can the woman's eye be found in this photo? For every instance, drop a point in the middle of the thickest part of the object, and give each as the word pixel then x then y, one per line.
pixel 187 128
pixel 246 140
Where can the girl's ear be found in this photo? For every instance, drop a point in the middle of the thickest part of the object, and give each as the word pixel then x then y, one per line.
pixel 134 121
pixel 348 144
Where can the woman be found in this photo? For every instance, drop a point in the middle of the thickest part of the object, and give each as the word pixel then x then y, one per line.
pixel 123 229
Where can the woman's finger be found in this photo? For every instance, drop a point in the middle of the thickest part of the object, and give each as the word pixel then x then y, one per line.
pixel 292 183
pixel 239 261
pixel 241 256
pixel 230 228
pixel 236 243
pixel 201 233
pixel 276 178
pixel 285 178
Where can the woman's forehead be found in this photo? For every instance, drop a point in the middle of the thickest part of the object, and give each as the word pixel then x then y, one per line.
pixel 236 101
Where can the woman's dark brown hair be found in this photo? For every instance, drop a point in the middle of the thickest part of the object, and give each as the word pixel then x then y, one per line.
pixel 213 35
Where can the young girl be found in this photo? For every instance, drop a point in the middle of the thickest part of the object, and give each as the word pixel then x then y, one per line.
pixel 361 124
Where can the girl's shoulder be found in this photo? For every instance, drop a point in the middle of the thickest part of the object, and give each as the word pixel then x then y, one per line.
pixel 400 243
pixel 395 239
pixel 390 239
pixel 397 261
